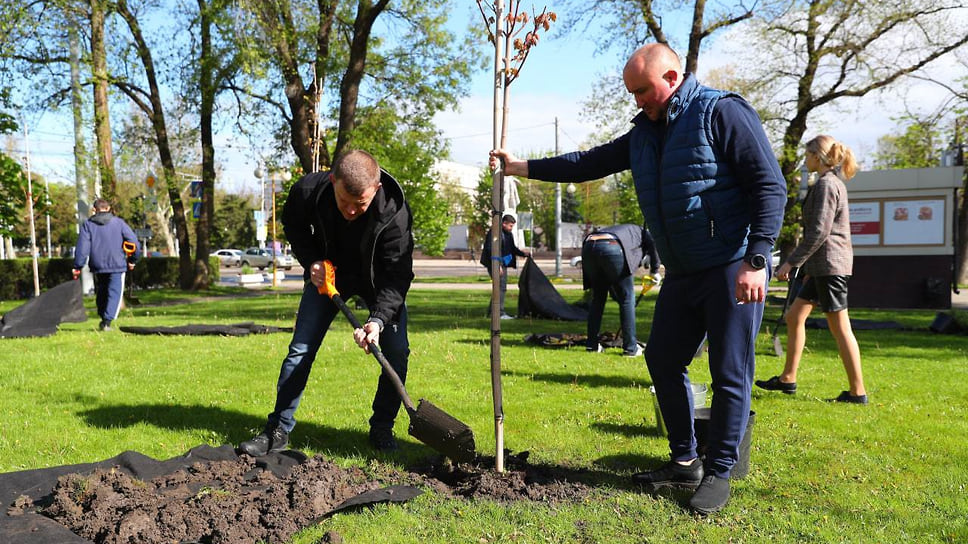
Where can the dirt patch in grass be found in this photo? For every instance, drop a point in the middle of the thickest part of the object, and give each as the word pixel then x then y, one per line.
pixel 241 502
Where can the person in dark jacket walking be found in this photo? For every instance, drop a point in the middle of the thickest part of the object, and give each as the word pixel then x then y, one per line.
pixel 712 193
pixel 355 216
pixel 609 258
pixel 103 238
pixel 508 259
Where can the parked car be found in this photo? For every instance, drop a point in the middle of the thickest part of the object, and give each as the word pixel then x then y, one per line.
pixel 261 258
pixel 229 257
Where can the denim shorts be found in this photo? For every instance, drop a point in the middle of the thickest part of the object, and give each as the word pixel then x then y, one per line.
pixel 828 292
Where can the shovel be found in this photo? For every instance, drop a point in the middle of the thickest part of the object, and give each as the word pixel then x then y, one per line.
pixel 129 248
pixel 428 424
pixel 793 285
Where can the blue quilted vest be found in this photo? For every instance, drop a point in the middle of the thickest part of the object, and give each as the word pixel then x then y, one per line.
pixel 694 208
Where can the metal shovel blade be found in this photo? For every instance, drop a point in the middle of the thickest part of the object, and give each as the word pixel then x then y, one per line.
pixel 442 432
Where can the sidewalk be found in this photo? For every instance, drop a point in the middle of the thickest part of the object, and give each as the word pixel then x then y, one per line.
pixel 438 268
pixel 959 301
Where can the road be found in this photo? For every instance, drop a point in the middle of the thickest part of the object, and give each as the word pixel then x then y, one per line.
pixel 441 268
pixel 426 269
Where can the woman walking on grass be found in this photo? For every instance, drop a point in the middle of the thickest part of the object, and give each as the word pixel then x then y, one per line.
pixel 825 258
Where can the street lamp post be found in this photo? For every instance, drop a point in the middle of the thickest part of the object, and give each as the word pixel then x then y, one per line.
pixel 259 174
pixel 274 177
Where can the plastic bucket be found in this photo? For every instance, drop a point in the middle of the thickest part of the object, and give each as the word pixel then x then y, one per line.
pixel 698 401
pixel 701 425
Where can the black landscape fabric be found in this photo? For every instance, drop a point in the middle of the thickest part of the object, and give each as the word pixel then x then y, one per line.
pixel 40 316
pixel 537 297
pixel 22 524
pixel 236 329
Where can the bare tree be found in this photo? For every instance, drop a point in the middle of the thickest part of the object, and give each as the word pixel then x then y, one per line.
pixel 510 53
pixel 637 22
pixel 814 55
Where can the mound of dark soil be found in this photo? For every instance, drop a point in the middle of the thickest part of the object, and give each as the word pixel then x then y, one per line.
pixel 243 500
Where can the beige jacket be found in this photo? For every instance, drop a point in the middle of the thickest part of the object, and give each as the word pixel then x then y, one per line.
pixel 825 249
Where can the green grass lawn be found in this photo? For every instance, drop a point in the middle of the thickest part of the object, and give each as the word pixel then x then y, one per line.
pixel 893 471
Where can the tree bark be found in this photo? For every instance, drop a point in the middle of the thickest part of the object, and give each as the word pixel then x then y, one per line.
pixel 303 100
pixel 207 85
pixel 366 15
pixel 102 119
pixel 155 111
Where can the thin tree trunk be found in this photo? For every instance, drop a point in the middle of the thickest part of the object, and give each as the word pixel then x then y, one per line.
pixel 80 154
pixel 961 249
pixel 303 101
pixel 207 75
pixel 497 198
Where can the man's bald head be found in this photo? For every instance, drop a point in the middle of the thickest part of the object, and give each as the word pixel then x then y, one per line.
pixel 654 56
pixel 652 75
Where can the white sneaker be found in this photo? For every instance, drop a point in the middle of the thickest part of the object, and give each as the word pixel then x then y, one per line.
pixel 599 349
pixel 507 316
pixel 639 350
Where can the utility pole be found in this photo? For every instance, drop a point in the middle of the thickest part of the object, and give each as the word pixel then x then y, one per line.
pixel 30 212
pixel 557 213
pixel 80 170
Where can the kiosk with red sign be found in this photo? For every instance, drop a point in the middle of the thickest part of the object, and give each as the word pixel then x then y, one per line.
pixel 903 225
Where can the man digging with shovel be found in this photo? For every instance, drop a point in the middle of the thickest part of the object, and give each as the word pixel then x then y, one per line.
pixel 355 216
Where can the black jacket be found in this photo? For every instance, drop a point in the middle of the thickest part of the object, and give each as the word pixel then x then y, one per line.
pixel 387 250
pixel 636 241
pixel 508 247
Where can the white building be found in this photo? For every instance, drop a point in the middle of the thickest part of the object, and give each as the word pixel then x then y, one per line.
pixel 466 177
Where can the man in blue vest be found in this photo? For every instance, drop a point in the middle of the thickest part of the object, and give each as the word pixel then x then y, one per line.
pixel 712 195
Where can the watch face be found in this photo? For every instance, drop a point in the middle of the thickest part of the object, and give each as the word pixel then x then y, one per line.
pixel 757 261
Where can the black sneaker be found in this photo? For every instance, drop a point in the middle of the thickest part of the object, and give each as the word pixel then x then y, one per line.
pixel 774 384
pixel 104 325
pixel 711 496
pixel 845 396
pixel 382 439
pixel 269 440
pixel 672 474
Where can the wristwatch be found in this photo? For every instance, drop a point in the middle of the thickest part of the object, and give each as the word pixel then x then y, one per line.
pixel 756 260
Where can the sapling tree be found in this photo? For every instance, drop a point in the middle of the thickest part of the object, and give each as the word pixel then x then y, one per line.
pixel 511 49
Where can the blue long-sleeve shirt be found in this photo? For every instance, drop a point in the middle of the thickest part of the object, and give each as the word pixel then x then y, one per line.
pixel 753 165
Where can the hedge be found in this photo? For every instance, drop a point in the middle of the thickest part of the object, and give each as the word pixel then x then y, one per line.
pixel 17 276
